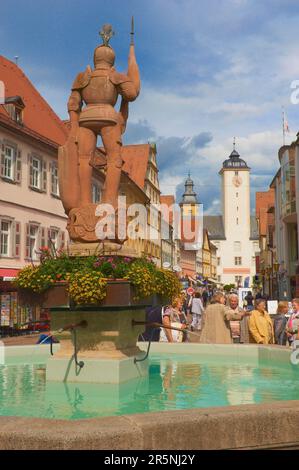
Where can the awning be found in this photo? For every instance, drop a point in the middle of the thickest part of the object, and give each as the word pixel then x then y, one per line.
pixel 212 281
pixel 7 274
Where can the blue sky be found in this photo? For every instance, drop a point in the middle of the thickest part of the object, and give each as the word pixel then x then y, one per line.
pixel 210 70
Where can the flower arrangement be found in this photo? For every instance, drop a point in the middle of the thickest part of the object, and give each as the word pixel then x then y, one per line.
pixel 87 277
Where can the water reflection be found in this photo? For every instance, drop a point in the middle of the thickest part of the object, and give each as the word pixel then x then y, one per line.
pixel 173 383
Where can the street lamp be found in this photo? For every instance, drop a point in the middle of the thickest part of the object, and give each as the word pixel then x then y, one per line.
pixel 276 269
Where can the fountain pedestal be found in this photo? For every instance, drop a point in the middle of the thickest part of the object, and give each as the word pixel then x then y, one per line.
pixel 107 345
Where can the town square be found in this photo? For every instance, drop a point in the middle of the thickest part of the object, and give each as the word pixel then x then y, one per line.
pixel 149 184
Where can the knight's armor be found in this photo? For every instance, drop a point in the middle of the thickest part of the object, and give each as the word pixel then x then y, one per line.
pixel 99 90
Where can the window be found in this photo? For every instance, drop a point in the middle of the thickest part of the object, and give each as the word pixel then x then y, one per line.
pixel 9 162
pixel 237 208
pixel 219 278
pixel 54 179
pixel 237 194
pixel 253 260
pixel 218 261
pixel 5 248
pixel 237 246
pixel 237 221
pixel 238 280
pixel 36 173
pixel 238 260
pixel 96 193
pixel 32 241
pixel 236 173
pixel 53 238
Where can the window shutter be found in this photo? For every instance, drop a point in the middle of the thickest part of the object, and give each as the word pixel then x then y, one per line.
pixel 2 159
pixel 42 237
pixel 52 177
pixel 27 251
pixel 62 240
pixel 44 176
pixel 17 239
pixel 30 181
pixel 18 166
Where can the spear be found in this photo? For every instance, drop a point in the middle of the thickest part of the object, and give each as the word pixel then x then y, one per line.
pixel 133 71
pixel 132 31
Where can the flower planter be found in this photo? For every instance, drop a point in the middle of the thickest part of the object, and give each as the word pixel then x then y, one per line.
pixel 120 292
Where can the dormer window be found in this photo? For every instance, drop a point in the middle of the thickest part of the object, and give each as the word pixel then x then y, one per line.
pixel 15 108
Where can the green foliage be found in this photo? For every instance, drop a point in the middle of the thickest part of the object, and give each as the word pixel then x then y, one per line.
pixel 87 276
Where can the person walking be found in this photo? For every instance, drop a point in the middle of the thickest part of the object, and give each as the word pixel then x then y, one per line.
pixel 196 311
pixel 260 324
pixel 216 327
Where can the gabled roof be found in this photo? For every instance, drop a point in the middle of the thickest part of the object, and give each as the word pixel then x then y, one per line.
pixel 38 115
pixel 214 225
pixel 136 158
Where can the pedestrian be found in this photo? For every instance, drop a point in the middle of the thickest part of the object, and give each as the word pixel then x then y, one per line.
pixel 196 311
pixel 173 316
pixel 249 301
pixel 216 318
pixel 293 322
pixel 205 297
pixel 280 322
pixel 152 315
pixel 260 324
pixel 239 329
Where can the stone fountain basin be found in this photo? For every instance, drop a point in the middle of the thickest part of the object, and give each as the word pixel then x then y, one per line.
pixel 265 426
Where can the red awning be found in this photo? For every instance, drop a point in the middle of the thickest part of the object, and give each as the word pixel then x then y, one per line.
pixel 7 272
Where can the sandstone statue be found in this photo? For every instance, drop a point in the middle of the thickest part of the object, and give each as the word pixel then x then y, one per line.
pixel 91 110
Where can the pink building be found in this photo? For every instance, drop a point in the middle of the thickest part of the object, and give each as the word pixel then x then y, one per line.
pixel 31 212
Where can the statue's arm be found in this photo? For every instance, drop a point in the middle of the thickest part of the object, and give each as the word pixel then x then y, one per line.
pixel 74 106
pixel 125 86
pixel 128 91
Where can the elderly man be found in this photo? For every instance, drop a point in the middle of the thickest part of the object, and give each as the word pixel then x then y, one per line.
pixel 239 329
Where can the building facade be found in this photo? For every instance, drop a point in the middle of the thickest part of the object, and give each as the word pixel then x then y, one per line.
pixel 286 187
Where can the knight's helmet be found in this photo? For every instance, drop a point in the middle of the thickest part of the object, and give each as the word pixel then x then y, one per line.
pixel 104 55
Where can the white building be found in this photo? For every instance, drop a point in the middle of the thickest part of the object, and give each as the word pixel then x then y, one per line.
pixel 234 232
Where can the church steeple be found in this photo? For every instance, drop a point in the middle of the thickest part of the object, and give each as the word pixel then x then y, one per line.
pixel 189 196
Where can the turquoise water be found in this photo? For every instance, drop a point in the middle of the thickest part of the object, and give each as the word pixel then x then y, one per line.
pixel 179 383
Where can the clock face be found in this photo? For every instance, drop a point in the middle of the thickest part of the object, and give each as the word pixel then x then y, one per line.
pixel 237 181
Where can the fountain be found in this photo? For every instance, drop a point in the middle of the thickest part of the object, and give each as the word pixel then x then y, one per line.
pixel 94 390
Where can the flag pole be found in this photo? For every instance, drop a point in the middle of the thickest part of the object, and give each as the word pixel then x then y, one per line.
pixel 283 127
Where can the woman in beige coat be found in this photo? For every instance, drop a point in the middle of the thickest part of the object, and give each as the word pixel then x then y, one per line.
pixel 260 324
pixel 216 327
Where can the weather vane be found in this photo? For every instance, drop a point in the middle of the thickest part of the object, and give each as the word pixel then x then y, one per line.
pixel 106 34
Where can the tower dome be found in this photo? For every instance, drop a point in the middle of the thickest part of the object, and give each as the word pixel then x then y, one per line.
pixel 234 161
pixel 189 196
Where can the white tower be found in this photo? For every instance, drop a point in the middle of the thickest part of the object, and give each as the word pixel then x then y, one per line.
pixel 237 251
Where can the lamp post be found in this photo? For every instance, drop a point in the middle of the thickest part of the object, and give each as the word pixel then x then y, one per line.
pixel 263 279
pixel 276 269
